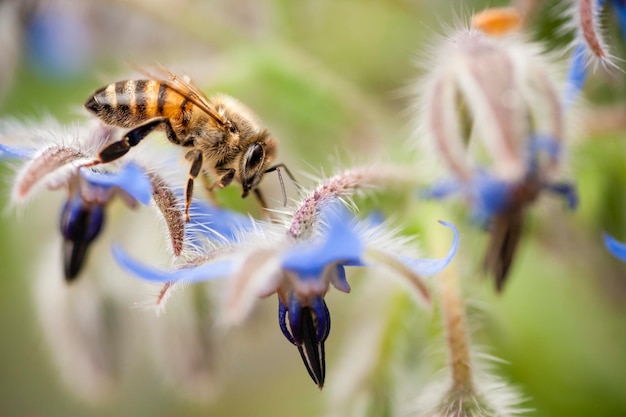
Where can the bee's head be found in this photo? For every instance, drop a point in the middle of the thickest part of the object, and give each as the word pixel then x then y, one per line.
pixel 259 153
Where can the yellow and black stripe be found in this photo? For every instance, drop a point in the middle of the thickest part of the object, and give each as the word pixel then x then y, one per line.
pixel 132 102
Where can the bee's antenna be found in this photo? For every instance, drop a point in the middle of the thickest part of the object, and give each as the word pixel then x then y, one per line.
pixel 282 186
pixel 277 168
pixel 289 174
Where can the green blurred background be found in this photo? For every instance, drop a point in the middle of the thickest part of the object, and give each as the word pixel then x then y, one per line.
pixel 329 80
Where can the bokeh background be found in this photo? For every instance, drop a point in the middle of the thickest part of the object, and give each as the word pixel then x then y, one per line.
pixel 329 79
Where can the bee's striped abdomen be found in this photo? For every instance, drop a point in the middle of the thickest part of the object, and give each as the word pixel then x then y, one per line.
pixel 129 103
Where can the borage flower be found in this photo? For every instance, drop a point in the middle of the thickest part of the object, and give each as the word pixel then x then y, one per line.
pixel 83 215
pixel 490 109
pixel 300 272
pixel 308 268
pixel 299 261
pixel 53 163
pixel 56 157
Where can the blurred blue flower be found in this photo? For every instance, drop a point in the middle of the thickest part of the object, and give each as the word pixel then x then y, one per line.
pixel 499 204
pixel 58 158
pixel 461 111
pixel 489 196
pixel 58 41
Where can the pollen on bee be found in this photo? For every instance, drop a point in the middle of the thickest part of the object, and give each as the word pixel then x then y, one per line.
pixel 497 21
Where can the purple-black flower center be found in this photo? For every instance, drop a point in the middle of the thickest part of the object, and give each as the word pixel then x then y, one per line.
pixel 307 328
pixel 80 225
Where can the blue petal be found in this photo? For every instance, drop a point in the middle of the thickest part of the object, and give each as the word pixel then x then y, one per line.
pixel 576 76
pixel 318 305
pixel 490 196
pixel 544 143
pixel 617 248
pixel 131 178
pixel 206 272
pixel 215 222
pixel 442 189
pixel 375 218
pixel 340 244
pixel 282 321
pixel 433 266
pixel 567 191
pixel 339 280
pixel 538 145
pixel 15 152
pixel 294 309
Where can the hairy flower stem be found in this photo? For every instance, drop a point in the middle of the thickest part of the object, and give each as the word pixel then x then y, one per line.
pixel 453 311
pixel 457 340
pixel 343 185
pixel 589 27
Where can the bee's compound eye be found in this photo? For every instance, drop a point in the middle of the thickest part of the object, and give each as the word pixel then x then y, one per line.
pixel 254 157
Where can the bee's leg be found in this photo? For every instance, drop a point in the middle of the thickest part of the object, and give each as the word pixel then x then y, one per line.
pixel 118 149
pixel 195 156
pixel 225 179
pixel 222 182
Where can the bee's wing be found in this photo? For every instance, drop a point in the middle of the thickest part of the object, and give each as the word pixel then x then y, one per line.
pixel 189 91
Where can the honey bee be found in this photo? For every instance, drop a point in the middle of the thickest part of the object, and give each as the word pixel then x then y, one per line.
pixel 222 135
